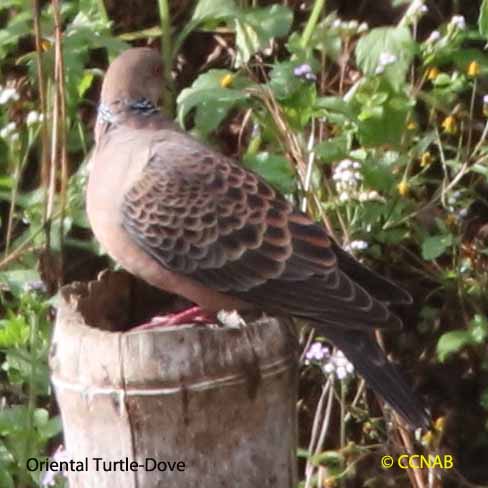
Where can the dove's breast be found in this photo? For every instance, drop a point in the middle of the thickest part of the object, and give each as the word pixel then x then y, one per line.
pixel 114 167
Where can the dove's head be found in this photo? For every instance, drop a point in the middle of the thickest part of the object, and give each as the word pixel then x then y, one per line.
pixel 134 75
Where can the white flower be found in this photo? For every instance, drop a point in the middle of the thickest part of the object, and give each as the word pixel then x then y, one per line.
pixel 417 7
pixel 337 24
pixel 356 245
pixel 317 352
pixel 304 71
pixel 335 363
pixel 485 100
pixel 347 178
pixel 363 27
pixel 34 286
pixel 339 365
pixel 343 170
pixel 366 196
pixel 453 198
pixel 344 164
pixel 328 368
pixel 359 245
pixel 434 37
pixel 8 131
pixel 459 22
pixel 353 25
pixel 33 118
pixel 387 58
pixel 7 94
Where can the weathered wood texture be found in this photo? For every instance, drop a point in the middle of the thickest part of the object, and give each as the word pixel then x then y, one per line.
pixel 220 400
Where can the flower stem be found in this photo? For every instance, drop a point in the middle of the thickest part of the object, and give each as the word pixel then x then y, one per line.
pixel 319 5
pixel 167 52
pixel 102 10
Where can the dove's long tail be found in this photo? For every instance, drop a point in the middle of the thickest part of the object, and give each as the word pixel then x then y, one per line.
pixel 363 351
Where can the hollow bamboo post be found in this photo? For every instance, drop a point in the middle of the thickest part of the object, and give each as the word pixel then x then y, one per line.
pixel 176 407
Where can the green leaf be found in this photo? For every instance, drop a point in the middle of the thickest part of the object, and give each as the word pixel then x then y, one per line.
pixel 452 342
pixel 19 26
pixel 13 419
pixel 483 19
pixel 334 149
pixel 378 175
pixel 247 41
pixel 478 328
pixel 392 236
pixel 207 94
pixel 14 332
pixel 6 479
pixel 283 82
pixel 462 59
pixel 381 113
pixel 150 33
pixel 5 456
pixel 480 168
pixel 435 246
pixel 256 27
pixel 328 458
pixel 484 399
pixel 51 428
pixel 209 116
pixel 299 107
pixel 19 368
pixel 396 41
pixel 271 22
pixel 40 417
pixel 302 453
pixel 214 9
pixel 85 83
pixel 334 104
pixel 273 168
pixel 16 280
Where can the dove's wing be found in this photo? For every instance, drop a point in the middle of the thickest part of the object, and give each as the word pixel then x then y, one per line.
pixel 201 215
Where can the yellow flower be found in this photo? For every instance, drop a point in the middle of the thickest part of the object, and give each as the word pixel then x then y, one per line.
pixel 449 125
pixel 403 188
pixel 440 424
pixel 335 130
pixel 411 125
pixel 226 80
pixel 425 159
pixel 473 69
pixel 427 439
pixel 45 44
pixel 433 437
pixel 433 73
pixel 451 220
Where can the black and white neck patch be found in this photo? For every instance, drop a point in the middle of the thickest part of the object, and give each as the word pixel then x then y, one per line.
pixel 141 106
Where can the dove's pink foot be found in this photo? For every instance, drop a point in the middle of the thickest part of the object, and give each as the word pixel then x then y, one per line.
pixel 190 316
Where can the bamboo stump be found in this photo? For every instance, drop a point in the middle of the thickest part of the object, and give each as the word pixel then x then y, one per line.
pixel 170 407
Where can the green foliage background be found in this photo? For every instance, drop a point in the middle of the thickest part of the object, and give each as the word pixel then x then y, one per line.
pixel 292 89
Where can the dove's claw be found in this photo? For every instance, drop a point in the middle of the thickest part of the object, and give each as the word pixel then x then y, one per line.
pixel 193 315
